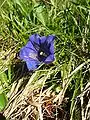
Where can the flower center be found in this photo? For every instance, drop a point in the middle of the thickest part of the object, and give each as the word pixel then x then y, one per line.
pixel 43 54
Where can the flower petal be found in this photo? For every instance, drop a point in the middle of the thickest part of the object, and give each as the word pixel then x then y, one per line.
pixel 35 38
pixel 27 53
pixel 49 59
pixel 43 39
pixel 30 46
pixel 50 38
pixel 32 64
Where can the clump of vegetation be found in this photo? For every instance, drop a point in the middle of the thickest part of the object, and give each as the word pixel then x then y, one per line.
pixel 57 91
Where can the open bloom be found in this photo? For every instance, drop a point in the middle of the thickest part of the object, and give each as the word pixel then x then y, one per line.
pixel 38 50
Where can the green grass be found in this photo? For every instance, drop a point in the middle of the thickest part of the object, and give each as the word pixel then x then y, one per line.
pixel 64 80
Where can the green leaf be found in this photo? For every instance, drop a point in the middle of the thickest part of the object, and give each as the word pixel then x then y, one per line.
pixel 40 13
pixel 3 101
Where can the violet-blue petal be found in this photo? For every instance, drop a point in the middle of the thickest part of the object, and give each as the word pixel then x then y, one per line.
pixel 23 54
pixel 49 59
pixel 32 64
pixel 27 53
pixel 43 39
pixel 50 38
pixel 35 38
pixel 30 46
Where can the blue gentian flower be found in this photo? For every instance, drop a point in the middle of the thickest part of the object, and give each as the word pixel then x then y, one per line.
pixel 38 50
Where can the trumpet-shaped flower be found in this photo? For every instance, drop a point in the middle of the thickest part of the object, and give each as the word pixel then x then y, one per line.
pixel 38 50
